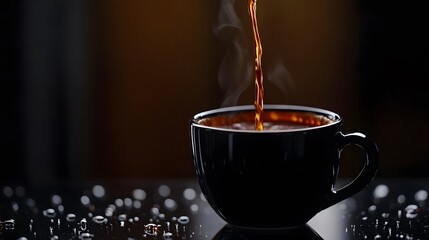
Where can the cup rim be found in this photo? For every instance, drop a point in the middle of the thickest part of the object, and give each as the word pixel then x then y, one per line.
pixel 336 118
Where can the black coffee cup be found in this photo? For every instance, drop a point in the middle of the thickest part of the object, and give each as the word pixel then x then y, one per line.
pixel 280 177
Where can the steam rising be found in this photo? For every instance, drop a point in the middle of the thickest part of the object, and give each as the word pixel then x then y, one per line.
pixel 236 69
pixel 280 77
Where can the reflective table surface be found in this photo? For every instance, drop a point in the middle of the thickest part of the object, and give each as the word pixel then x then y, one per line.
pixel 176 209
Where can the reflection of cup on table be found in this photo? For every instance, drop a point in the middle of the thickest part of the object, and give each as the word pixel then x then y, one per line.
pixel 279 177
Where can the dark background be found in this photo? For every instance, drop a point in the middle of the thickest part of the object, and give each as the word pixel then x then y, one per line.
pixel 93 89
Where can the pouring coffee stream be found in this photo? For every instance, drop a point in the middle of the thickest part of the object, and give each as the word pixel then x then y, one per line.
pixel 259 87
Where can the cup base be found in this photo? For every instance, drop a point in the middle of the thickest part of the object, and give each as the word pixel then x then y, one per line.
pixel 258 229
pixel 303 232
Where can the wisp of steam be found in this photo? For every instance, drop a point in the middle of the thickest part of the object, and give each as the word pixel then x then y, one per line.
pixel 235 70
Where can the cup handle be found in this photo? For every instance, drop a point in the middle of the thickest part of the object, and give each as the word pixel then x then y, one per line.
pixel 367 173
